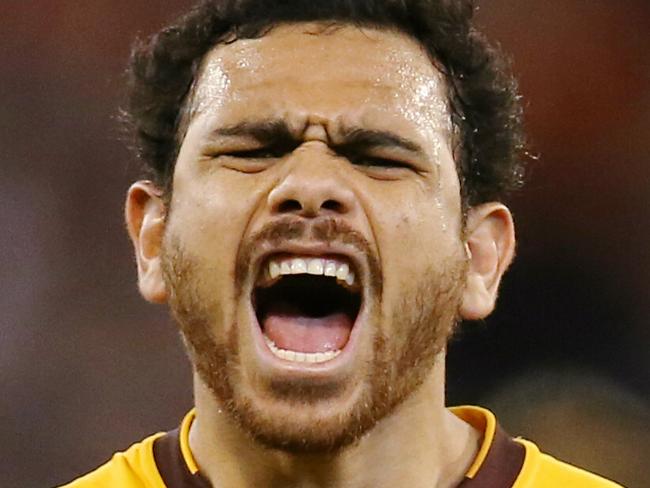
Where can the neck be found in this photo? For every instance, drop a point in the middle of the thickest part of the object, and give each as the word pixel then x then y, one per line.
pixel 420 444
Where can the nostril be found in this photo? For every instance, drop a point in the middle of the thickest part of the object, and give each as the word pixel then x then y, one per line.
pixel 289 206
pixel 332 205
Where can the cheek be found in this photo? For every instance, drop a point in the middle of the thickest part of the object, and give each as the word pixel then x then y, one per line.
pixel 416 236
pixel 411 214
pixel 209 216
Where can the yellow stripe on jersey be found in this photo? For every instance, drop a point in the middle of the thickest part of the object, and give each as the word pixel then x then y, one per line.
pixel 185 442
pixel 484 421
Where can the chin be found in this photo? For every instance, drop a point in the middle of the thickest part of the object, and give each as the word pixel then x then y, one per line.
pixel 306 413
pixel 296 409
pixel 305 427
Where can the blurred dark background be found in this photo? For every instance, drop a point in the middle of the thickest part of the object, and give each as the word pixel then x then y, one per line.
pixel 86 367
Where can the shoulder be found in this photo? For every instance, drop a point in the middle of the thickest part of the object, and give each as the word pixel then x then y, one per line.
pixel 541 470
pixel 133 468
pixel 517 463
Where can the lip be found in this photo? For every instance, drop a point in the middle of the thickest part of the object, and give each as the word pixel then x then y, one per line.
pixel 278 367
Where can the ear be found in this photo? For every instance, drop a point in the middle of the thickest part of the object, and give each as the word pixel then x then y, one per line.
pixel 145 221
pixel 490 246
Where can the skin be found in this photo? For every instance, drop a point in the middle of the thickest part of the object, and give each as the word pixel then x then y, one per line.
pixel 321 84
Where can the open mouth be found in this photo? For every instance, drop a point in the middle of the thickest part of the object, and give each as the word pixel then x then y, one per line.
pixel 307 306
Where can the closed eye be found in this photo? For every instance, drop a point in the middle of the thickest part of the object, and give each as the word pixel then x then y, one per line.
pixel 251 154
pixel 378 163
pixel 260 153
pixel 252 160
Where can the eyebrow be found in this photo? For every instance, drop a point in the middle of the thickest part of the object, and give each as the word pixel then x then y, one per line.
pixel 361 138
pixel 264 131
pixel 277 131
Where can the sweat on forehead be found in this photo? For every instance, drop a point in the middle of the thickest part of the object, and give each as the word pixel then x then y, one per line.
pixel 307 60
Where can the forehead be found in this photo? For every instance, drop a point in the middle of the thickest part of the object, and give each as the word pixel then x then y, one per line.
pixel 313 68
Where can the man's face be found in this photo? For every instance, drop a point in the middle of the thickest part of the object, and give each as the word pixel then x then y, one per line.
pixel 313 152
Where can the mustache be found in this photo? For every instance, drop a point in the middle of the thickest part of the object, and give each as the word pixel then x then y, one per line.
pixel 326 231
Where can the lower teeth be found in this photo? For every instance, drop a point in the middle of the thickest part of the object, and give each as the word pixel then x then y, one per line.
pixel 301 357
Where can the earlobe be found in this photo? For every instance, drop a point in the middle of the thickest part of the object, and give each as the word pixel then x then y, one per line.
pixel 145 220
pixel 490 247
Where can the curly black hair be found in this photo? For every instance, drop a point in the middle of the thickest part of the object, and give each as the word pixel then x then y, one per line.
pixel 486 109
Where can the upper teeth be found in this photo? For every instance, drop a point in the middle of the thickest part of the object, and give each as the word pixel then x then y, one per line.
pixel 313 266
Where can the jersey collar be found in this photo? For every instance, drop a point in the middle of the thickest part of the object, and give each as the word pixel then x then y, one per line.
pixel 497 465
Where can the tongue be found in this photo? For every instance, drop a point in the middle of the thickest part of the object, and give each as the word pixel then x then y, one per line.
pixel 289 329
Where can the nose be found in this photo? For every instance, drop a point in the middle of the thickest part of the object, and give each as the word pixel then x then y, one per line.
pixel 312 189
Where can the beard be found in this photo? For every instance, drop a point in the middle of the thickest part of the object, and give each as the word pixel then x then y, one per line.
pixel 421 323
